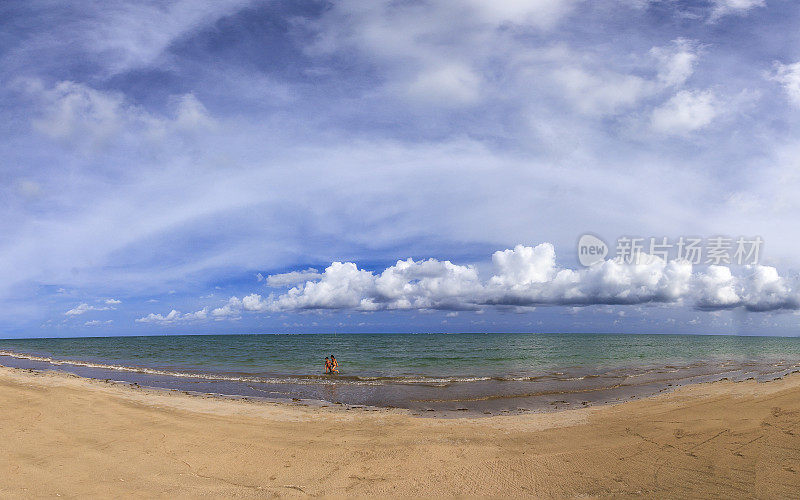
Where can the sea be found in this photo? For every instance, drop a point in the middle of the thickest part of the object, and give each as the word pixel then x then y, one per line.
pixel 438 374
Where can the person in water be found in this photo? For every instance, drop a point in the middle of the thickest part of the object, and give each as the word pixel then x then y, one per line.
pixel 334 365
pixel 327 365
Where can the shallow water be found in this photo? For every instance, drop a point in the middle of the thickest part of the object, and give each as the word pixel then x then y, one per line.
pixel 441 373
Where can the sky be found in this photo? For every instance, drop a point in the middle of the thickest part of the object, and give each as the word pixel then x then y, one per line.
pixel 232 166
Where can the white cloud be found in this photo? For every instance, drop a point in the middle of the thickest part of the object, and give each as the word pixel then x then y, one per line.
pixel 174 317
pixel 409 284
pixel 428 284
pixel 79 309
pixel 97 322
pixel 235 306
pixel 432 53
pixel 81 115
pixel 84 308
pixel 608 282
pixel 292 278
pixel 524 265
pixel 764 290
pixel 687 111
pixel 676 62
pixel 594 88
pixel 740 7
pixel 788 75
pixel 716 289
pixel 74 110
pixel 232 309
pixel 342 286
pixel 425 53
pixel 523 277
pixel 760 288
pixel 254 302
pixel 129 35
pixel 538 13
pixel 602 92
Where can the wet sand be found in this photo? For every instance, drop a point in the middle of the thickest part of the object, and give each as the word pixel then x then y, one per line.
pixel 70 436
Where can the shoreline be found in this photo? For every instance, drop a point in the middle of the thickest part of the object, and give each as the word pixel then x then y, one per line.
pixel 158 392
pixel 482 396
pixel 311 404
pixel 68 435
pixel 176 397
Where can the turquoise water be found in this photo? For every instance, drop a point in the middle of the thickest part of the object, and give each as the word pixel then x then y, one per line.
pixel 407 355
pixel 399 369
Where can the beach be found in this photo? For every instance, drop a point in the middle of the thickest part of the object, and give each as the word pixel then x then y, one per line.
pixel 74 437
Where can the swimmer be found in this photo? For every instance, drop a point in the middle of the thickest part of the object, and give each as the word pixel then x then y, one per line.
pixel 334 365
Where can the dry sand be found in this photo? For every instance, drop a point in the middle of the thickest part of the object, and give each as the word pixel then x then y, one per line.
pixel 63 435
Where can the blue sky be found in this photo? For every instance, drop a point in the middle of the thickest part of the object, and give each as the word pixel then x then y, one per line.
pixel 202 167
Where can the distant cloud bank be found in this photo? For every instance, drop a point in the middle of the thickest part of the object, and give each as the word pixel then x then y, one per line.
pixel 522 277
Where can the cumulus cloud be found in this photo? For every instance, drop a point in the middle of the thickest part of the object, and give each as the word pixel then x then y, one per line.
pixel 84 308
pixel 232 309
pixel 174 317
pixel 650 279
pixel 762 289
pixel 788 75
pixel 759 288
pixel 522 277
pixel 685 112
pixel 428 284
pixel 716 289
pixel 342 286
pixel 235 306
pixel 113 302
pixel 524 265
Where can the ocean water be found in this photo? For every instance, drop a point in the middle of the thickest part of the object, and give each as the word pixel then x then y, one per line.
pixel 442 373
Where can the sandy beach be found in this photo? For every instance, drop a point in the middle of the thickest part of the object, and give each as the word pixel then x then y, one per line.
pixel 74 437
